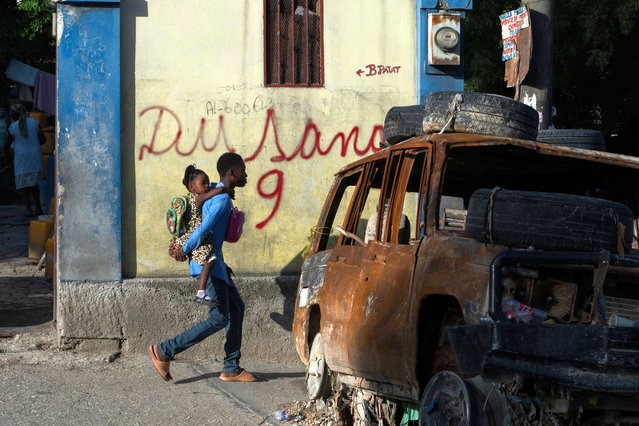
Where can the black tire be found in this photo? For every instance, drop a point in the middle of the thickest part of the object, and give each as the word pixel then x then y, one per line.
pixel 403 122
pixel 480 113
pixel 574 138
pixel 548 221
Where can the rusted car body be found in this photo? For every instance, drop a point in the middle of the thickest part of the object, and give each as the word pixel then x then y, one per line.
pixel 416 296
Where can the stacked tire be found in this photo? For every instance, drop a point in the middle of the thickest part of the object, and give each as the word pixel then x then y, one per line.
pixel 574 138
pixel 462 112
pixel 548 221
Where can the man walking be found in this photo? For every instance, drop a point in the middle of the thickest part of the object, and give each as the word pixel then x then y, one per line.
pixel 228 313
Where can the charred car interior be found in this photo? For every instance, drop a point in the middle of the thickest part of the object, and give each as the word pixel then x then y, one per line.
pixel 484 279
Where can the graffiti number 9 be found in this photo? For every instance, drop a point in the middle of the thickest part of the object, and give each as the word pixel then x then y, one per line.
pixel 276 193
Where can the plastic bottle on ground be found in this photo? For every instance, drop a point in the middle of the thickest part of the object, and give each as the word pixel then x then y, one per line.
pixel 281 415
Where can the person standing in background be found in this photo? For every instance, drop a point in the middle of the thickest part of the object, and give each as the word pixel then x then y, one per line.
pixel 24 138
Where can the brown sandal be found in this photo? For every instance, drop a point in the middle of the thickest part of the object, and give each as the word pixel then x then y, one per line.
pixel 242 376
pixel 160 365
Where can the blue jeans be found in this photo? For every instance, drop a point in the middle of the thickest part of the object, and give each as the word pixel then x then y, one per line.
pixel 229 314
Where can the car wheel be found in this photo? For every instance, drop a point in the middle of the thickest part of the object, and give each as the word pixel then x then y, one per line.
pixel 574 138
pixel 448 400
pixel 403 122
pixel 548 221
pixel 317 372
pixel 482 113
pixel 445 401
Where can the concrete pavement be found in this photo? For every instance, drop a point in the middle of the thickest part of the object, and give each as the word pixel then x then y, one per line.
pixel 42 384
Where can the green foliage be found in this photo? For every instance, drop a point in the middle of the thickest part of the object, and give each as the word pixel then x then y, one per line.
pixel 595 62
pixel 482 50
pixel 38 14
pixel 25 34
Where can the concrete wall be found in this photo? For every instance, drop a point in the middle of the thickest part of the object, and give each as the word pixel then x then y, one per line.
pixel 88 143
pixel 129 315
pixel 193 87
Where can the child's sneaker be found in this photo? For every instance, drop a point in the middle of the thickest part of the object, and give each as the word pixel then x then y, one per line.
pixel 205 300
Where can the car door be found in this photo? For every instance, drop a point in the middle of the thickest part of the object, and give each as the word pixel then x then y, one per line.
pixel 366 328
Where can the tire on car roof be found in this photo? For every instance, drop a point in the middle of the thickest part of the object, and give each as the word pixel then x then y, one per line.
pixel 548 221
pixel 482 113
pixel 574 138
pixel 403 122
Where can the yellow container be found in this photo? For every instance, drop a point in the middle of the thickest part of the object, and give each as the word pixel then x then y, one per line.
pixel 45 160
pixel 49 137
pixel 50 228
pixel 38 234
pixel 49 259
pixel 41 118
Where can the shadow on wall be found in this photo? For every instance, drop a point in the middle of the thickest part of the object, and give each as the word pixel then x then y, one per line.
pixel 130 11
pixel 287 282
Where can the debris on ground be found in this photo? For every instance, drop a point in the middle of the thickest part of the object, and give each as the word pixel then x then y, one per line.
pixel 310 413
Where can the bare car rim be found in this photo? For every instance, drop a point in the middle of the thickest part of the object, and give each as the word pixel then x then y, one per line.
pixel 446 401
pixel 317 374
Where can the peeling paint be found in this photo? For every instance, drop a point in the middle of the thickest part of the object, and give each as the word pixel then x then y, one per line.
pixel 88 152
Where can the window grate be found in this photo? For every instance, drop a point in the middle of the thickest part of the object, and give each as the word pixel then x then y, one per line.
pixel 293 43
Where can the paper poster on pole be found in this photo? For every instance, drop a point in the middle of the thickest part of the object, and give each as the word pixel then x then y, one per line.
pixel 514 21
pixel 516 34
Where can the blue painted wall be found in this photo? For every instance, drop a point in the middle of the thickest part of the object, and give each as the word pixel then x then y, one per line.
pixel 89 223
pixel 443 78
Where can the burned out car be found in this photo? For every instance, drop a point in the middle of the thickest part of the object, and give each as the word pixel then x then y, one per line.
pixel 486 280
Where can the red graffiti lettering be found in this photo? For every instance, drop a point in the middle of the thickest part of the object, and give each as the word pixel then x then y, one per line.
pixel 372 145
pixel 276 193
pixel 310 128
pixel 152 147
pixel 269 123
pixel 312 137
pixel 309 144
pixel 220 133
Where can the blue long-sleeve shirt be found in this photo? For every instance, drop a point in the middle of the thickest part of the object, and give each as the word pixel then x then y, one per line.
pixel 216 212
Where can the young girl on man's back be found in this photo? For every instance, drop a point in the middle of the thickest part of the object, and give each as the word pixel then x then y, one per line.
pixel 198 184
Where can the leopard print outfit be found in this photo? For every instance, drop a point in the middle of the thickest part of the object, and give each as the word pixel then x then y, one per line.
pixel 204 253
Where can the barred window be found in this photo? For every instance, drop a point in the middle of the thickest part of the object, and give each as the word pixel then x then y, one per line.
pixel 293 43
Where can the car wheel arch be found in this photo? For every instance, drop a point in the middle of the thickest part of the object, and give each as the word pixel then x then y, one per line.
pixel 313 327
pixel 435 313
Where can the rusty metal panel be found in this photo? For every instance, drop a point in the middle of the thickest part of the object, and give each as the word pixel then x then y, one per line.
pixel 365 297
pixel 370 297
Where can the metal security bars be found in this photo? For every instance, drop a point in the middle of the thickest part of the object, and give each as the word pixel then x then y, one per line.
pixel 293 48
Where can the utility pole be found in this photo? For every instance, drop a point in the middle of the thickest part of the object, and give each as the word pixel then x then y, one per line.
pixel 536 89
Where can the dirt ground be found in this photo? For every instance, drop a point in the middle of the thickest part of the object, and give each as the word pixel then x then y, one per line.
pixel 26 297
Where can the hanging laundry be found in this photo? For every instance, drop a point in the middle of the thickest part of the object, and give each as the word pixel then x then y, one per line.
pixel 44 94
pixel 21 73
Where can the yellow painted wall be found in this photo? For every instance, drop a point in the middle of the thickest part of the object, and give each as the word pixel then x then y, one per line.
pixel 199 62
